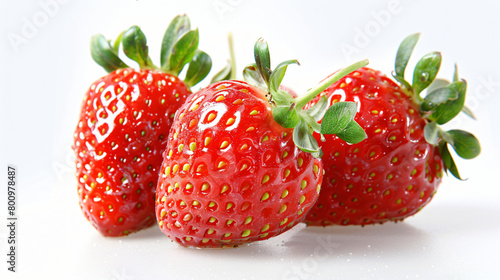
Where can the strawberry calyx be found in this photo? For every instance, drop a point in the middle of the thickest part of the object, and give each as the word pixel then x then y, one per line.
pixel 443 101
pixel 288 111
pixel 179 48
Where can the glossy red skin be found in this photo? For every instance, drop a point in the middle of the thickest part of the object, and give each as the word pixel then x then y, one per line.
pixel 113 207
pixel 357 188
pixel 183 206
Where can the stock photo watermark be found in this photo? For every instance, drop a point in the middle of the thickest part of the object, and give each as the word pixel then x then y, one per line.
pixel 222 7
pixel 324 249
pixel 31 25
pixel 363 36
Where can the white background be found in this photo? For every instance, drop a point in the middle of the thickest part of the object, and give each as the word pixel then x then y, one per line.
pixel 46 68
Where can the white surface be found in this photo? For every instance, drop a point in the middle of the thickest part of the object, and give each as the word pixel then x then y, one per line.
pixel 455 237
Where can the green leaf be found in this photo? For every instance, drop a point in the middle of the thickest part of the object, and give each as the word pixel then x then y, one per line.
pixel 252 75
pixel 448 161
pixel 425 71
pixel 437 83
pixel 263 59
pixel 198 69
pixel 402 81
pixel 431 133
pixel 183 51
pixel 446 111
pixel 465 144
pixel 436 98
pixel 117 42
pixel 177 27
pixel 135 46
pixel 446 136
pixel 466 110
pixel 278 74
pixel 222 75
pixel 404 53
pixel 318 110
pixel 304 140
pixel 311 122
pixel 105 55
pixel 353 133
pixel 338 117
pixel 455 74
pixel 286 116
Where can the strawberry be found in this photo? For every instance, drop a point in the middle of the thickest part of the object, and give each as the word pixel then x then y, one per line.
pixel 124 124
pixel 231 173
pixel 397 169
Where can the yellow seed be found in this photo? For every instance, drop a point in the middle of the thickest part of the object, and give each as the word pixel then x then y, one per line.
pixel 245 233
pixel 229 222
pixel 170 189
pixel 285 154
pixel 211 117
pixel 316 169
pixel 264 197
pixel 163 213
pixel 265 138
pixel 300 212
pixel 284 221
pixel 378 130
pixel 188 217
pixel 212 219
pixel 265 179
pixel 195 203
pixel 238 102
pixel 170 153
pixel 398 201
pixel 422 195
pixel 248 220
pixel 182 203
pixel 207 141
pixel 392 138
pixel 372 174
pixel 227 234
pixel 164 198
pixel 254 112
pixel 210 231
pixel 264 235
pixel 394 120
pixel 195 106
pixel 188 238
pixel 394 159
pixel 387 192
pixel 220 98
pixel 284 193
pixel 229 206
pixel 302 199
pixel 204 187
pixel 167 170
pixel 205 240
pixel 244 166
pixel 211 204
pixel 185 167
pixel 303 184
pixel 175 168
pixel 160 223
pixel 250 128
pixel 389 176
pixel 283 208
pixel 413 172
pixel 181 147
pixel 265 228
pixel 375 112
pixel 224 145
pixel 300 161
pixel 243 147
pixel 221 164
pixel 181 116
pixel 192 146
pixel 225 188
pixel 230 121
pixel 287 172
pixel 175 135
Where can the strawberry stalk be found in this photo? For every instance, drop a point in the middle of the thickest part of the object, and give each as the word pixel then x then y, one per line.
pixel 228 72
pixel 288 111
pixel 179 48
pixel 442 102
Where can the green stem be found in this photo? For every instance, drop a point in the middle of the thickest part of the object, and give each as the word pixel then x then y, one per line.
pixel 233 59
pixel 312 93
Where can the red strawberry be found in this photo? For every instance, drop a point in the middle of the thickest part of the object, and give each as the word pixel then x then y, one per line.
pixel 395 171
pixel 123 129
pixel 231 174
